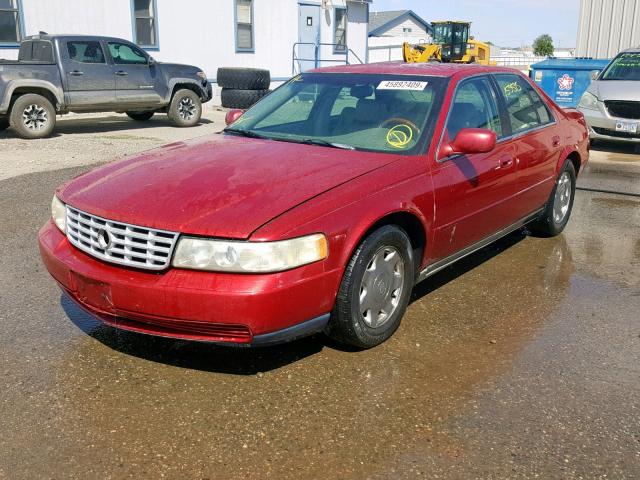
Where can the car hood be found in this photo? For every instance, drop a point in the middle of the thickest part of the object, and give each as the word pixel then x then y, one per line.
pixel 221 185
pixel 616 90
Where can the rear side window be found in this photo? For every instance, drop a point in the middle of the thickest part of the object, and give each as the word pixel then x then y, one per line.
pixel 125 54
pixel 525 107
pixel 36 51
pixel 474 106
pixel 85 52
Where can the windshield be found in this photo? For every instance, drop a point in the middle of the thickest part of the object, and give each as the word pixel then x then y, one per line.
pixel 382 113
pixel 625 66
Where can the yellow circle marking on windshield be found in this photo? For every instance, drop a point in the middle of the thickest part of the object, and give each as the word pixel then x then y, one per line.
pixel 400 136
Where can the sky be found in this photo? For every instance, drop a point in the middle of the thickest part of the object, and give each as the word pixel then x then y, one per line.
pixel 506 23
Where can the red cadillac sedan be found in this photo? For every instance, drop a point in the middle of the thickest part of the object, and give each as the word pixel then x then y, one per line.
pixel 319 208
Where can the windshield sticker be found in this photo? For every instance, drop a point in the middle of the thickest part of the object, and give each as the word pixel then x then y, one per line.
pixel 402 85
pixel 400 136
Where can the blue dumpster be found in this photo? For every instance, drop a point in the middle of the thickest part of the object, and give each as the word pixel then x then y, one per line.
pixel 566 79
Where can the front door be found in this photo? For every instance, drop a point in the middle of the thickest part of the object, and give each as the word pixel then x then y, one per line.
pixel 138 82
pixel 473 193
pixel 307 53
pixel 90 81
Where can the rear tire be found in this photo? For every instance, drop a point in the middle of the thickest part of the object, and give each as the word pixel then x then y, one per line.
pixel 185 109
pixel 244 78
pixel 242 99
pixel 558 208
pixel 140 116
pixel 33 116
pixel 375 290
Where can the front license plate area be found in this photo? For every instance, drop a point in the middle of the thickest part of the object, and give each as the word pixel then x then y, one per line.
pixel 628 127
pixel 92 292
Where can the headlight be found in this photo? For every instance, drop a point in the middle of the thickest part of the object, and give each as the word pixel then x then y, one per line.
pixel 59 214
pixel 589 101
pixel 201 75
pixel 230 256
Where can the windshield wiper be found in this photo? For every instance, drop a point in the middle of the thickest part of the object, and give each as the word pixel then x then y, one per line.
pixel 326 143
pixel 245 133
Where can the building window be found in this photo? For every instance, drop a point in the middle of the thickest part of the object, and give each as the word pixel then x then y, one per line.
pixel 407 30
pixel 9 22
pixel 244 25
pixel 340 30
pixel 145 23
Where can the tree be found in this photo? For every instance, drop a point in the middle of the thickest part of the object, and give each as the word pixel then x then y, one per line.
pixel 543 46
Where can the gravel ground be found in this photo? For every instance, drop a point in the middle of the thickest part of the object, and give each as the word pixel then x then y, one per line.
pixel 89 139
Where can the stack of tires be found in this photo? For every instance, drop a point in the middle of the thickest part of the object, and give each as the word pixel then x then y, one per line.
pixel 242 87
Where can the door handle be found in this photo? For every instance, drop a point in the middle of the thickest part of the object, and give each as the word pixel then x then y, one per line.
pixel 505 162
pixel 76 73
pixel 121 73
pixel 555 141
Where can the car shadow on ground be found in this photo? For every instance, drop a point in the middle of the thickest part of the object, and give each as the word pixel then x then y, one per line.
pixel 251 361
pixel 615 147
pixel 110 124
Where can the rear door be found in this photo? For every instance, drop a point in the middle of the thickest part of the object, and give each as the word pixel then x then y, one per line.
pixel 536 140
pixel 473 193
pixel 137 81
pixel 90 81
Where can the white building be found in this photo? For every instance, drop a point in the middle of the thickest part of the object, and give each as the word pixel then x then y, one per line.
pixel 206 33
pixel 390 29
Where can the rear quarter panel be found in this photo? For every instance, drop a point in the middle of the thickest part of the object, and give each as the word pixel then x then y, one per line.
pixel 24 75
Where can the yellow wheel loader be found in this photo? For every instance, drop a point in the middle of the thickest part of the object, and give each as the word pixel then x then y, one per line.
pixel 451 43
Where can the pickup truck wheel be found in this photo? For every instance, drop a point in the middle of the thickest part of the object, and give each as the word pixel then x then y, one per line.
pixel 558 208
pixel 4 124
pixel 33 116
pixel 140 116
pixel 185 109
pixel 375 290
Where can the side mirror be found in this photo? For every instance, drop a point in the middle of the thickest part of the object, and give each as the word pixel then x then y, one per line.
pixel 469 141
pixel 152 61
pixel 594 74
pixel 232 116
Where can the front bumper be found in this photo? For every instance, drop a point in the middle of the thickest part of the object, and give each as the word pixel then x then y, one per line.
pixel 208 92
pixel 602 126
pixel 191 305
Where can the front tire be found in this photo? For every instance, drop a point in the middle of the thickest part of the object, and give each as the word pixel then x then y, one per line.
pixel 375 290
pixel 33 116
pixel 560 204
pixel 185 109
pixel 140 116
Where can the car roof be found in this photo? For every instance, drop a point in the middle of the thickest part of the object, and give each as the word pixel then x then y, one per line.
pixel 51 37
pixel 427 69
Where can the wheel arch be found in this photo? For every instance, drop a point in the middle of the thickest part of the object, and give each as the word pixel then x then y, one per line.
pixel 17 88
pixel 182 84
pixel 572 155
pixel 410 223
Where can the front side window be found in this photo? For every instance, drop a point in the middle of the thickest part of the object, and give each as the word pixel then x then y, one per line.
pixel 625 66
pixel 125 54
pixel 145 23
pixel 380 113
pixel 340 30
pixel 474 106
pixel 9 22
pixel 85 52
pixel 525 107
pixel 244 25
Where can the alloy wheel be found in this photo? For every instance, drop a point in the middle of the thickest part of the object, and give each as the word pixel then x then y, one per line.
pixel 562 198
pixel 35 117
pixel 187 108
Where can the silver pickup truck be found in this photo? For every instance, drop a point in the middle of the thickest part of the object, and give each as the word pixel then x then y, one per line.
pixel 57 74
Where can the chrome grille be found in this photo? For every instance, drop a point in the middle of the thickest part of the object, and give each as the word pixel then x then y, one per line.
pixel 118 242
